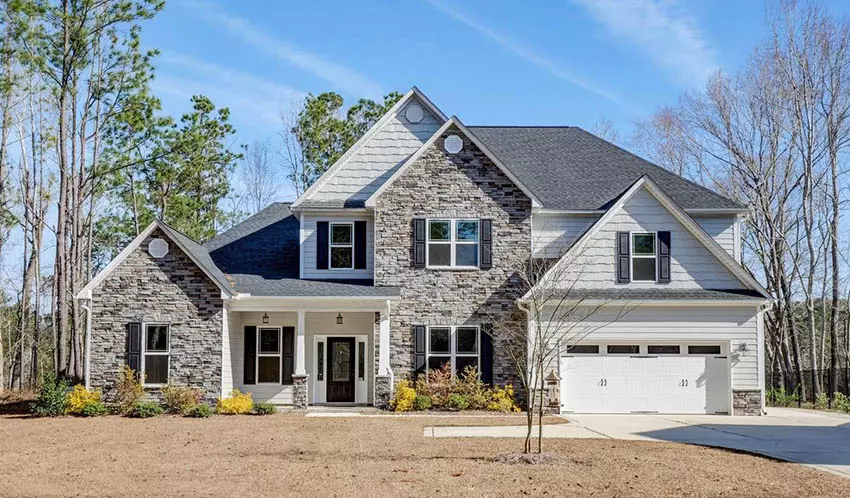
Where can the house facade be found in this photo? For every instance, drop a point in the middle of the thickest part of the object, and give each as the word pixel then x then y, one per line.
pixel 406 255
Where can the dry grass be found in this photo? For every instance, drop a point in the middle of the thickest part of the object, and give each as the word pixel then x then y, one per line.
pixel 289 455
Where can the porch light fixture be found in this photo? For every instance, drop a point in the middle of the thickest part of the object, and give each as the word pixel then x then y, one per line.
pixel 265 318
pixel 339 319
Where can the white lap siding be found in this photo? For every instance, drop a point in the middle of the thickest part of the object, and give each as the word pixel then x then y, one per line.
pixel 309 241
pixel 721 229
pixel 278 394
pixel 735 327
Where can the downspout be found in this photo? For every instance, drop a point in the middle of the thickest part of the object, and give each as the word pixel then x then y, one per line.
pixel 86 353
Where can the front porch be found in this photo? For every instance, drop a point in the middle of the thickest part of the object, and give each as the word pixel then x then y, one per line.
pixel 295 353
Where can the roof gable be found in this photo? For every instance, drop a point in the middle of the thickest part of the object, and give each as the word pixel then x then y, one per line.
pixel 646 186
pixel 196 252
pixel 453 121
pixel 374 157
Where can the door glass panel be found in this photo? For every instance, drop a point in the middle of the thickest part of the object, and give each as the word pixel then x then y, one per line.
pixel 321 362
pixel 361 360
pixel 340 362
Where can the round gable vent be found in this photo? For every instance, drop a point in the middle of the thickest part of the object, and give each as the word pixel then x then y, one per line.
pixel 158 248
pixel 453 144
pixel 414 113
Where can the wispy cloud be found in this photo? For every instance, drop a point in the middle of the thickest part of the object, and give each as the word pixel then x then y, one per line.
pixel 530 55
pixel 251 99
pixel 663 29
pixel 341 77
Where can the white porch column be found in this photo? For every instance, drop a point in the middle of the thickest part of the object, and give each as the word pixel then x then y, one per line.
pixel 299 345
pixel 384 342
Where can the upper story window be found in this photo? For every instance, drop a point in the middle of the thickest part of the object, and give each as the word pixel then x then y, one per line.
pixel 342 246
pixel 643 256
pixel 452 243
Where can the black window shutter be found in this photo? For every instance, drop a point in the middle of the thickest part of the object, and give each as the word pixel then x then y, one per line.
pixel 360 245
pixel 250 359
pixel 623 273
pixel 322 245
pixel 663 257
pixel 134 346
pixel 486 247
pixel 487 354
pixel 288 358
pixel 419 242
pixel 419 349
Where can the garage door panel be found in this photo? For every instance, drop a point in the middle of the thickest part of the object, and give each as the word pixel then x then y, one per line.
pixel 664 384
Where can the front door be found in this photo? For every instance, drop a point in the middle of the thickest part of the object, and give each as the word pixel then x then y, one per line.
pixel 340 369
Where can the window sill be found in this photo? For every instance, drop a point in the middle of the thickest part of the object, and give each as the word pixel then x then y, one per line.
pixel 453 268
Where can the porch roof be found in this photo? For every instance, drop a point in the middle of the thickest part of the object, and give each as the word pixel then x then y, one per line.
pixel 256 286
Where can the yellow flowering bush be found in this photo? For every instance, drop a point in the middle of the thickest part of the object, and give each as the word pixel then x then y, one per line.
pixel 502 400
pixel 403 397
pixel 237 403
pixel 81 401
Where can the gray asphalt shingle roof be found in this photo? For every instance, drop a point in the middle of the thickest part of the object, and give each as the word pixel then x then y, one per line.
pixel 259 256
pixel 569 168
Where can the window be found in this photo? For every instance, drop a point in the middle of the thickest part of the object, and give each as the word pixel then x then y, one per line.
pixel 623 349
pixel 583 349
pixel 452 244
pixel 342 246
pixel 268 355
pixel 662 349
pixel 643 257
pixel 703 349
pixel 156 353
pixel 456 346
pixel 361 360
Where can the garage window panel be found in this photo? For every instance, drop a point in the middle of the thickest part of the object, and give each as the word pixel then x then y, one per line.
pixel 623 349
pixel 663 349
pixel 700 349
pixel 583 349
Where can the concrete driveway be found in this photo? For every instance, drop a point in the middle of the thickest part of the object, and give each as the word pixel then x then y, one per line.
pixel 817 439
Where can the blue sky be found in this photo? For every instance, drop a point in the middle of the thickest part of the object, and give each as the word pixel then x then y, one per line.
pixel 489 62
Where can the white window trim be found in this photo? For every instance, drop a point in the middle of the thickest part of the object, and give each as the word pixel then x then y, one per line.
pixel 633 256
pixel 331 244
pixel 278 355
pixel 145 352
pixel 453 243
pixel 453 353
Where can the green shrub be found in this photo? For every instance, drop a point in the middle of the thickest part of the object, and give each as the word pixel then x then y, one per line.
pixel 52 399
pixel 236 404
pixel 264 409
pixel 146 409
pixel 180 399
pixel 840 402
pixel 199 411
pixel 457 402
pixel 403 397
pixel 95 409
pixel 821 401
pixel 778 397
pixel 79 398
pixel 128 391
pixel 422 402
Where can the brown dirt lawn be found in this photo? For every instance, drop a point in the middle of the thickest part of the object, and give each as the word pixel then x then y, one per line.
pixel 290 455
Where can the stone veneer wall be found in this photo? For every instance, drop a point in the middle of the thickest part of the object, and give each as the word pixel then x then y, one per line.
pixel 463 185
pixel 746 402
pixel 169 290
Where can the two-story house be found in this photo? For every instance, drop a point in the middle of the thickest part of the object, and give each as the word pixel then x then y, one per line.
pixel 404 254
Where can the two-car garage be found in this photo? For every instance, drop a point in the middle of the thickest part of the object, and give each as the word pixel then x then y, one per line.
pixel 656 377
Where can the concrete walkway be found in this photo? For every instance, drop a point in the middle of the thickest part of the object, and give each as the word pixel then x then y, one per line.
pixel 817 439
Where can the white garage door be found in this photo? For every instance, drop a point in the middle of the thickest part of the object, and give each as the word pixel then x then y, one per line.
pixel 623 383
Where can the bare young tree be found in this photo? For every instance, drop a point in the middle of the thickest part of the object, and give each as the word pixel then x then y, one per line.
pixel 556 312
pixel 604 128
pixel 259 176
pixel 291 153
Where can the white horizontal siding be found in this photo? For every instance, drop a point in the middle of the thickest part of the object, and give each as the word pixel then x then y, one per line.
pixel 308 236
pixel 721 229
pixel 731 327
pixel 380 156
pixel 692 266
pixel 553 234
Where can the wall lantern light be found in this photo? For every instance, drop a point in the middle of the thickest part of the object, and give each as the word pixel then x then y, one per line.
pixel 265 318
pixel 339 319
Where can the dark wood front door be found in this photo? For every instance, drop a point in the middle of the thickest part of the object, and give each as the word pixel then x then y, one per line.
pixel 341 369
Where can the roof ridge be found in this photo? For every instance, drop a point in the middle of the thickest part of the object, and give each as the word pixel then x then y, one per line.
pixel 650 163
pixel 524 126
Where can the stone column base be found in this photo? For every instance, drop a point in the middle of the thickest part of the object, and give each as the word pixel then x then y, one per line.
pixel 746 402
pixel 300 394
pixel 383 391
